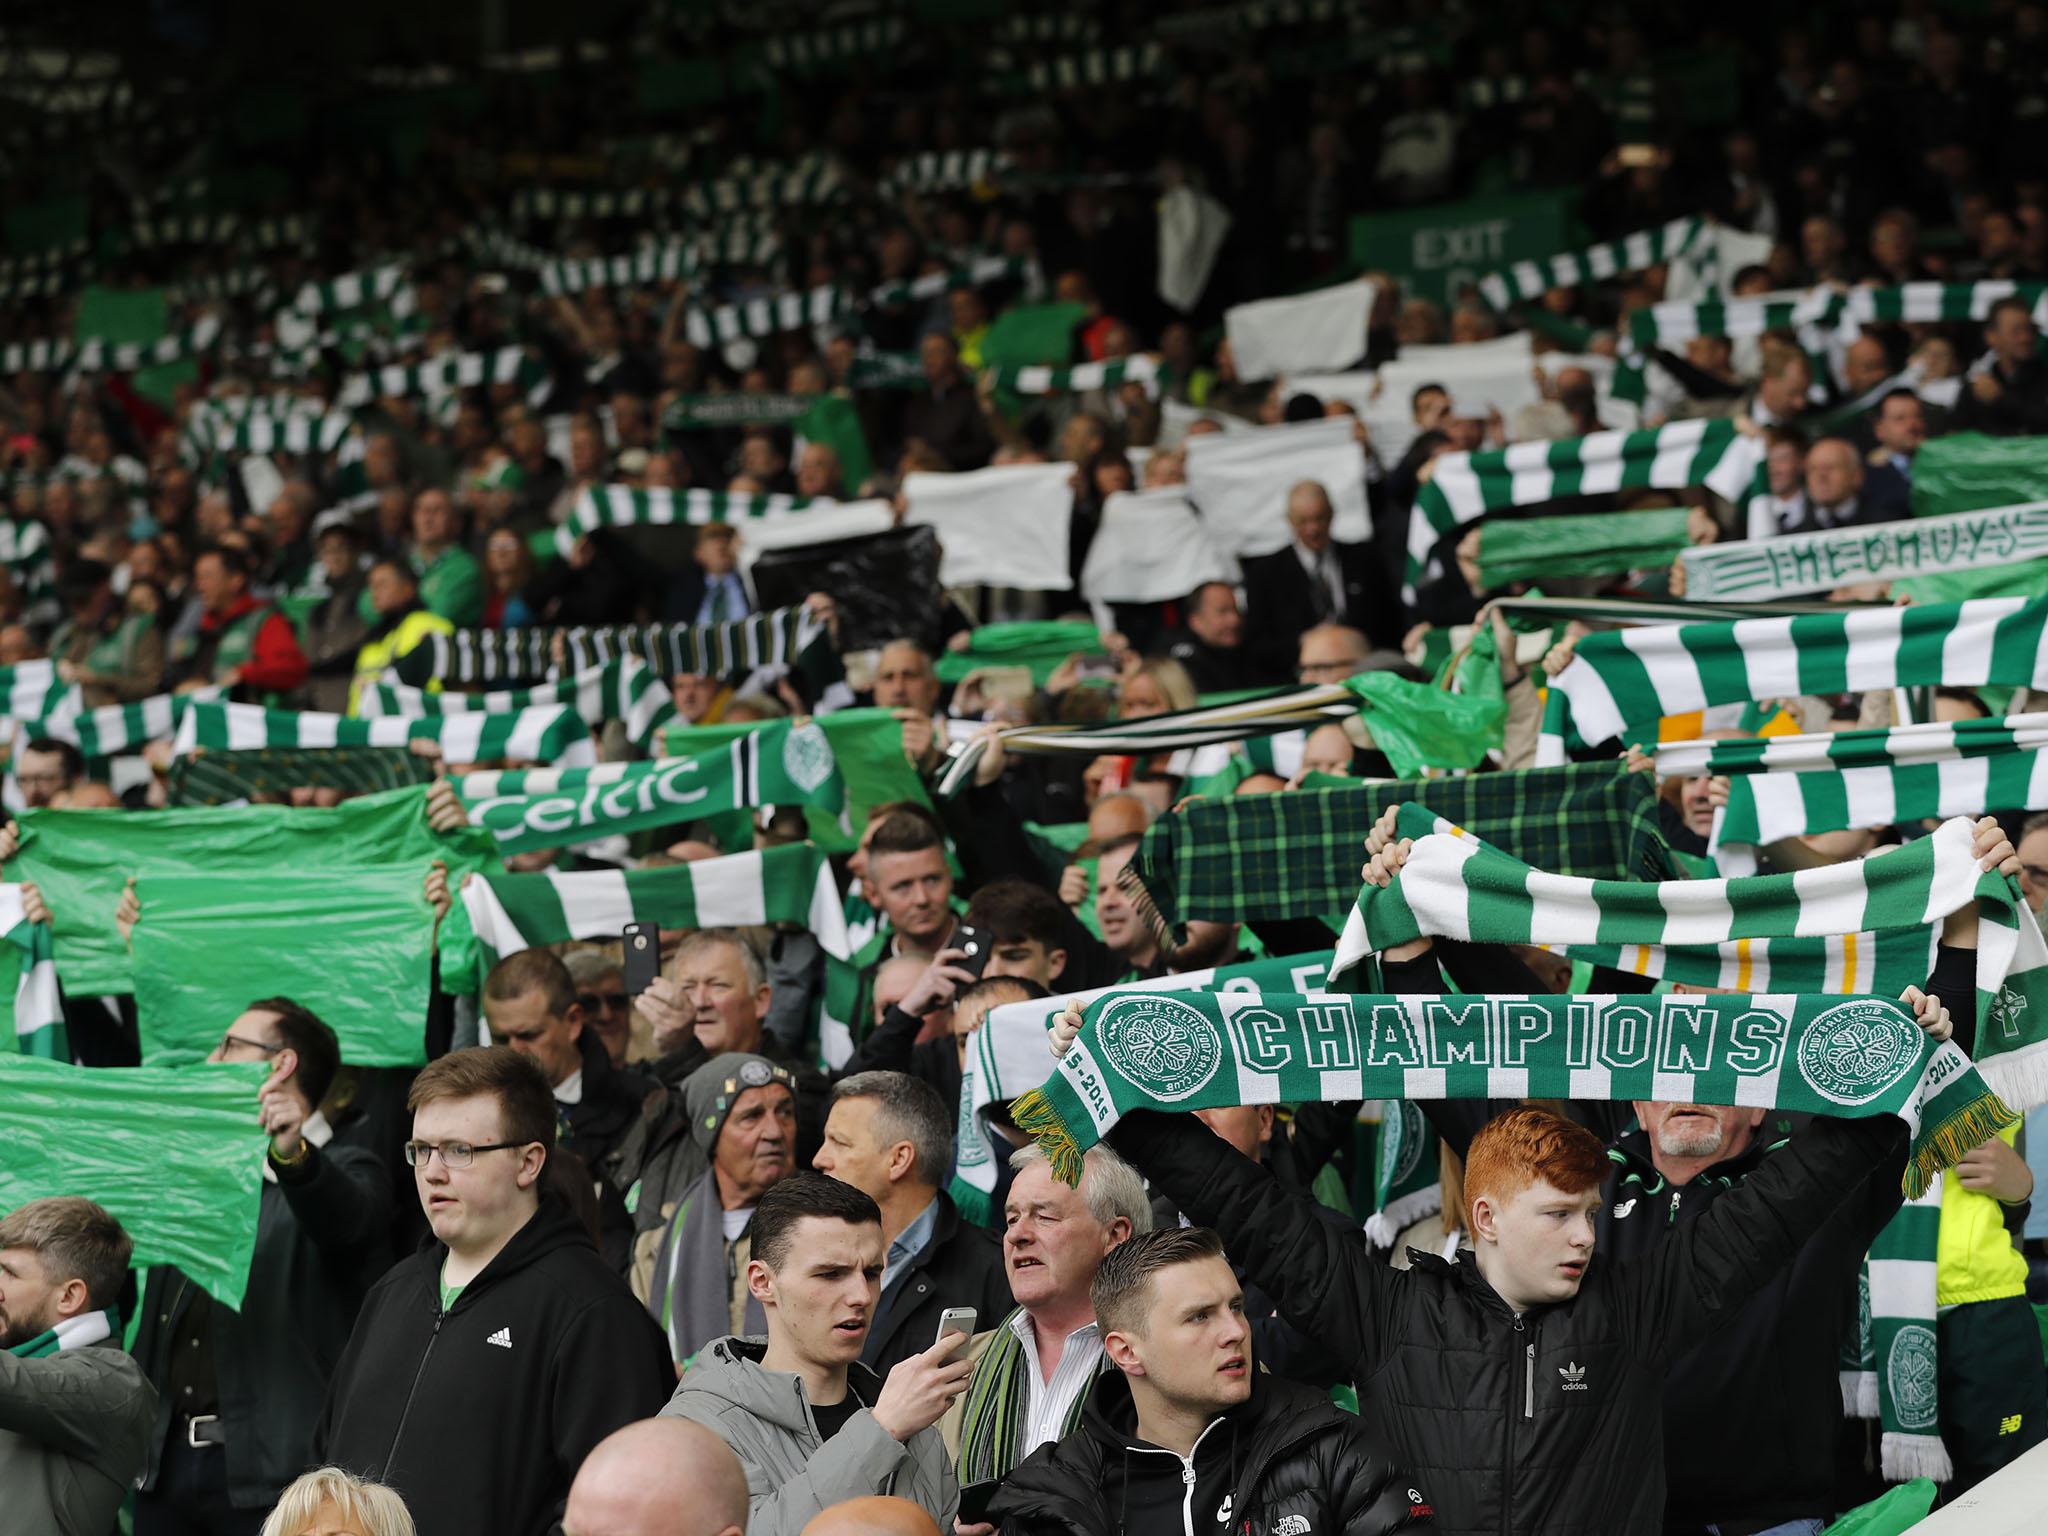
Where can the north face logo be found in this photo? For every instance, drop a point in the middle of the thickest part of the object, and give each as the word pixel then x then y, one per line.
pixel 1292 1525
pixel 1574 1375
pixel 502 1338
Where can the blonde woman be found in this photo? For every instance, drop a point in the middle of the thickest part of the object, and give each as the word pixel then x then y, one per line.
pixel 331 1502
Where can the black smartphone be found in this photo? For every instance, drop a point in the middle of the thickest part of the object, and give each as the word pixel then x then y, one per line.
pixel 975 1499
pixel 974 943
pixel 643 956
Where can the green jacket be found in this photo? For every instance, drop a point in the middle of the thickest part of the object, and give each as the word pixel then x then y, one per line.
pixel 74 1438
pixel 452 586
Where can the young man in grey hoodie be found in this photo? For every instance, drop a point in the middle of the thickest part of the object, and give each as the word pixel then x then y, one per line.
pixel 810 1424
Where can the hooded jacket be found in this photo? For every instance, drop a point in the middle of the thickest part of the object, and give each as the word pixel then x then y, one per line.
pixel 792 1474
pixel 479 1416
pixel 1549 1421
pixel 1288 1461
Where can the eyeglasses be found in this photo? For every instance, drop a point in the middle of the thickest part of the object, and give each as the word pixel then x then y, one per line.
pixel 454 1154
pixel 607 1002
pixel 2034 874
pixel 232 1038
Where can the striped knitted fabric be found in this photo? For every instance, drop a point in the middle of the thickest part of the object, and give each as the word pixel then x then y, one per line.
pixel 550 733
pixel 1901 1270
pixel 1032 380
pixel 633 506
pixel 38 1014
pixel 1528 280
pixel 468 657
pixel 113 730
pixel 627 690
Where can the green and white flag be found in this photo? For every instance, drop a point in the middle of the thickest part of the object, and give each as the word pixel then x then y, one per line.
pixel 38 1013
pixel 1853 1057
pixel 789 884
pixel 175 1154
pixel 1574 544
pixel 1796 563
pixel 1624 681
pixel 1455 886
pixel 629 691
pixel 548 733
pixel 1467 486
pixel 633 506
pixel 1529 280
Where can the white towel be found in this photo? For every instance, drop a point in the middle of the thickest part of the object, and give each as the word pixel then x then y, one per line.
pixel 1152 547
pixel 1000 527
pixel 1311 332
pixel 1239 483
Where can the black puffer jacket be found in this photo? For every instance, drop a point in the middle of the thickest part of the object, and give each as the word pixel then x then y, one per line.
pixel 1287 1463
pixel 1550 1422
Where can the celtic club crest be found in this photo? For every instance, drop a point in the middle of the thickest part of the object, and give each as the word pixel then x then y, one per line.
pixel 807 756
pixel 1909 1375
pixel 1854 1052
pixel 1163 1047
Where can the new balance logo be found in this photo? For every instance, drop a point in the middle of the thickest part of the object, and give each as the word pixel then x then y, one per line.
pixel 1574 1376
pixel 502 1338
pixel 2010 1424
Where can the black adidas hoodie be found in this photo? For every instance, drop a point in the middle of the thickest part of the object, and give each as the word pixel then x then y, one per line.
pixel 481 1415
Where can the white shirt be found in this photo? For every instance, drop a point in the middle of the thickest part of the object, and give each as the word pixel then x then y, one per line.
pixel 1047 1403
pixel 735 1222
pixel 570 1089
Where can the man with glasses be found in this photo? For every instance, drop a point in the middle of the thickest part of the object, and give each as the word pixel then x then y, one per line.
pixel 47 768
pixel 1329 653
pixel 601 994
pixel 238 1393
pixel 485 1367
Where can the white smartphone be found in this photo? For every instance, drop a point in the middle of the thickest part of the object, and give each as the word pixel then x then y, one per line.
pixel 958 1320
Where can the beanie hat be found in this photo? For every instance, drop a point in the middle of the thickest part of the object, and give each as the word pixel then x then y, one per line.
pixel 710 1092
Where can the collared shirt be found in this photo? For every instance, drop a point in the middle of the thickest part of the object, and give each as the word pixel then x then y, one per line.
pixel 909 1244
pixel 725 599
pixel 1046 1403
pixel 1322 569
pixel 570 1089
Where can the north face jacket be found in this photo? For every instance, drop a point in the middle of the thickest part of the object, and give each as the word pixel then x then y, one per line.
pixel 479 1416
pixel 1548 1422
pixel 1287 1463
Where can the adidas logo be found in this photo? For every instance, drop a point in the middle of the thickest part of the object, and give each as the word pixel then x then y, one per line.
pixel 502 1338
pixel 1574 1375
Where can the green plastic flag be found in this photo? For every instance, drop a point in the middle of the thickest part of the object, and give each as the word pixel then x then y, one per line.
pixel 1419 727
pixel 1039 646
pixel 1032 333
pixel 1891 1514
pixel 1588 544
pixel 1967 471
pixel 175 1154
pixel 358 951
pixel 835 423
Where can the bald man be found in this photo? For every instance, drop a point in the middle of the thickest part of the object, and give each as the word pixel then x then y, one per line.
pixel 1834 492
pixel 1313 579
pixel 875 1516
pixel 664 1477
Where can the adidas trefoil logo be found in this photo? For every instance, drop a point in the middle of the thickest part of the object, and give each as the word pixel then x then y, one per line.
pixel 502 1338
pixel 1574 1375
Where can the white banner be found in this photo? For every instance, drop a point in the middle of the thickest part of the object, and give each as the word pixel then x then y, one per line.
pixel 1239 482
pixel 1152 547
pixel 1796 563
pixel 999 527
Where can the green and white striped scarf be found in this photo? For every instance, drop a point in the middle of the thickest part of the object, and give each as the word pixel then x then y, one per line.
pixel 994 1407
pixel 1525 281
pixel 545 733
pixel 113 730
pixel 764 317
pixel 1033 380
pixel 1407 1182
pixel 1900 1383
pixel 1857 1057
pixel 444 375
pixel 633 506
pixel 825 47
pixel 31 690
pixel 946 170
pixel 1455 886
pixel 351 290
pixel 25 551
pixel 1936 303
pixel 38 1015
pixel 1624 681
pixel 971 274
pixel 212 431
pixel 627 690
pixel 789 884
pixel 668 262
pixel 1795 563
pixel 779 637
pixel 1467 486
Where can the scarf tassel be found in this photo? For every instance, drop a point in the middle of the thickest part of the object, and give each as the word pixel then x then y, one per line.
pixel 1944 1145
pixel 1383 1227
pixel 2017 1077
pixel 1905 1457
pixel 1033 1113
pixel 1859 1394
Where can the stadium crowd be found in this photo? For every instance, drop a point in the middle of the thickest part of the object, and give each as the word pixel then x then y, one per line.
pixel 609 702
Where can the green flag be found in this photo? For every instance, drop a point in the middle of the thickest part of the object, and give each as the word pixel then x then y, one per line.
pixel 175 1154
pixel 1039 646
pixel 1032 333
pixel 82 859
pixel 835 423
pixel 358 951
pixel 1967 471
pixel 1418 726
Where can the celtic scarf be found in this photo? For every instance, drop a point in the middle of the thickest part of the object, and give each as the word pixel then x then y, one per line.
pixel 70 1333
pixel 843 764
pixel 468 657
pixel 1257 857
pixel 632 506
pixel 1528 280
pixel 992 1412
pixel 444 375
pixel 1039 646
pixel 543 733
pixel 38 1014
pixel 1626 680
pixel 1820 562
pixel 1900 1384
pixel 1856 1057
pixel 1038 380
pixel 147 1123
pixel 1406 1181
pixel 627 690
pixel 30 690
pixel 1454 886
pixel 1467 486
pixel 788 884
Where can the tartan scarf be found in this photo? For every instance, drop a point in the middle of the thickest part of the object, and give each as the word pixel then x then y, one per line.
pixel 1626 680
pixel 547 733
pixel 1256 857
pixel 1455 886
pixel 71 1333
pixel 626 690
pixel 1525 281
pixel 1186 1051
pixel 524 656
pixel 1794 563
pixel 992 1415
pixel 1467 486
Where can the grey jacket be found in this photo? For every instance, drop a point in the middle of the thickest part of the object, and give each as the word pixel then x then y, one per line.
pixel 791 1474
pixel 74 1438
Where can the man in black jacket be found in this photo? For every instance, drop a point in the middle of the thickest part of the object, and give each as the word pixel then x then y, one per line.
pixel 1314 580
pixel 1187 1435
pixel 485 1367
pixel 1523 1387
pixel 238 1392
pixel 891 1137
pixel 2006 393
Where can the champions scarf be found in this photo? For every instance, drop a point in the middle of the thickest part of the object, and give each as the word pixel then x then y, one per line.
pixel 1454 886
pixel 1467 486
pixel 1857 1057
pixel 1820 562
pixel 469 657
pixel 1626 680
pixel 1526 281
pixel 627 690
pixel 544 733
pixel 38 1014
